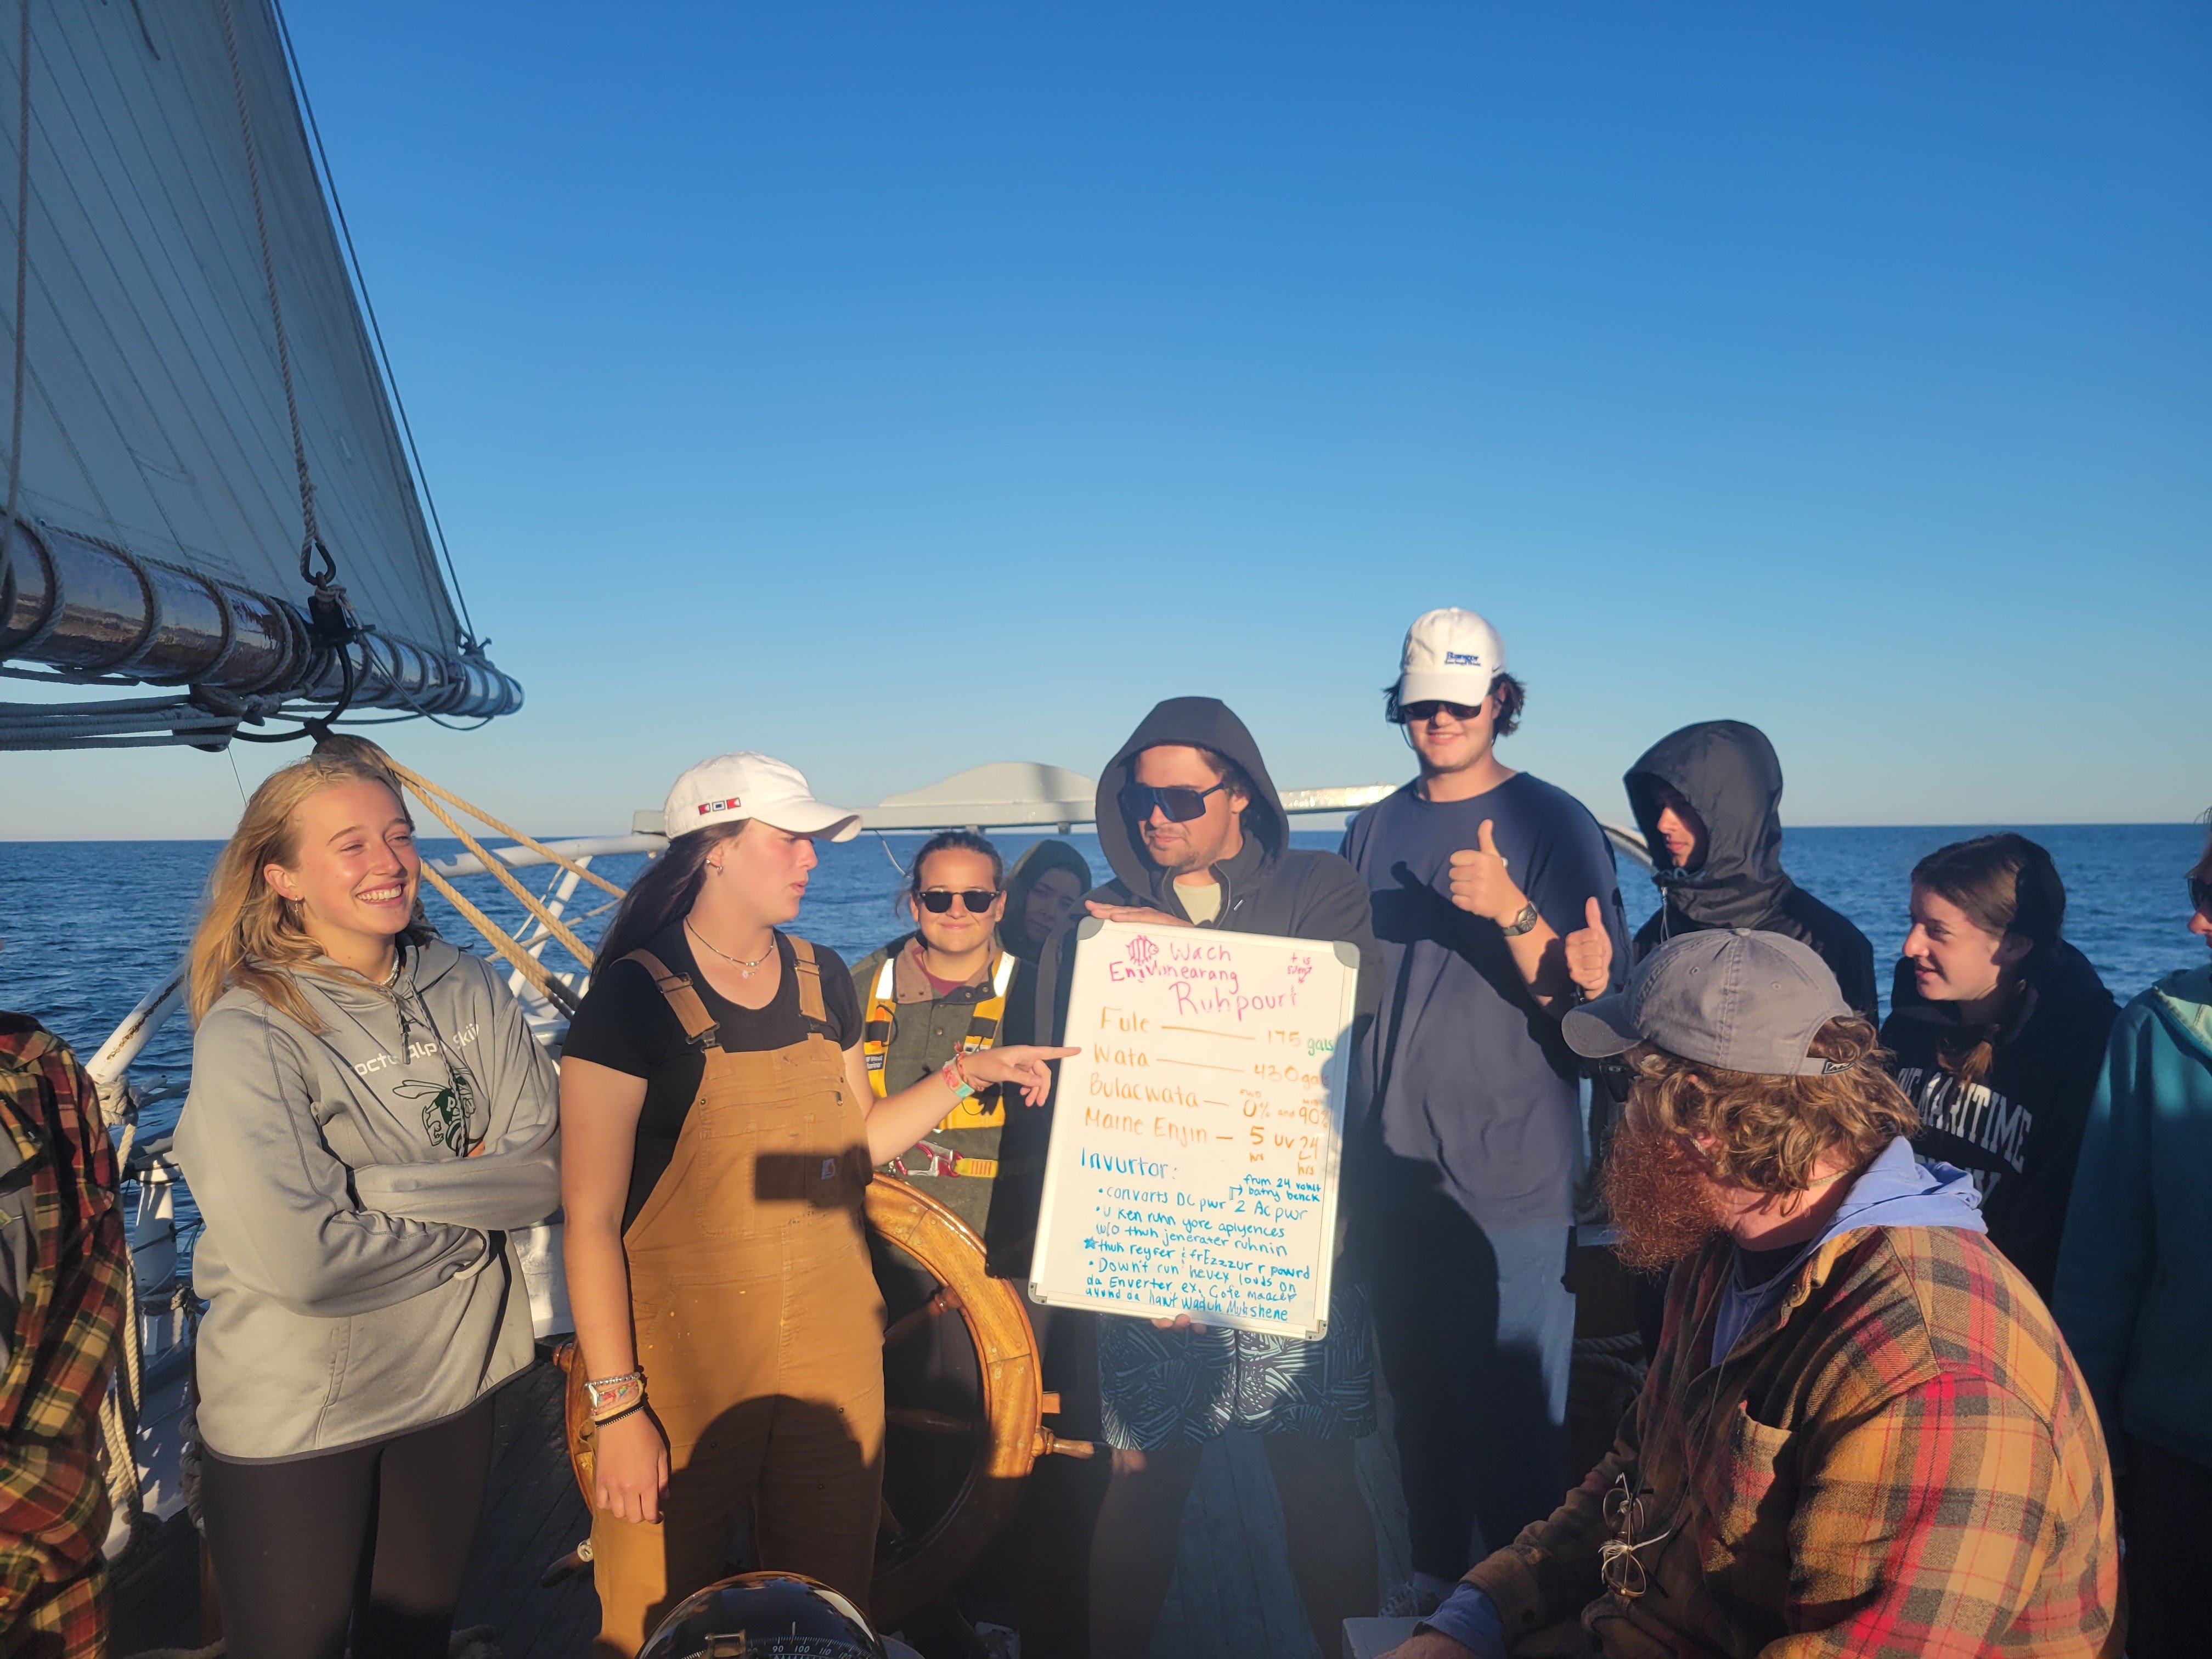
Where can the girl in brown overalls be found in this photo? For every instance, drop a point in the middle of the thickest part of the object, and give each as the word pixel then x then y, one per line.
pixel 719 1131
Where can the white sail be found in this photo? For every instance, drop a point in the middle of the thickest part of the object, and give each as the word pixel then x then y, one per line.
pixel 155 417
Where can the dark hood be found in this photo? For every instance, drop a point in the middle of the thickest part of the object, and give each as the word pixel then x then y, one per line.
pixel 1035 861
pixel 1728 772
pixel 1205 723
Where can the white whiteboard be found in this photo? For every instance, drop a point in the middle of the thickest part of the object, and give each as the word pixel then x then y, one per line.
pixel 1196 1139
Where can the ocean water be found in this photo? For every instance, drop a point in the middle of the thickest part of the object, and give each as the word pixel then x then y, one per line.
pixel 87 927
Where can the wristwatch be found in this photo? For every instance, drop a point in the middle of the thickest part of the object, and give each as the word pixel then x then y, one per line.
pixel 1524 923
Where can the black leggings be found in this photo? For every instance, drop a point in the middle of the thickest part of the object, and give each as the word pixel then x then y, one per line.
pixel 376 1537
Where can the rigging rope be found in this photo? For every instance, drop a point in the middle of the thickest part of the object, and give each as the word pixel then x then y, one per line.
pixel 311 542
pixel 497 867
pixel 22 258
pixel 417 781
pixel 520 959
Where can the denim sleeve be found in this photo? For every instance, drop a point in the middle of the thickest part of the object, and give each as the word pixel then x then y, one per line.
pixel 1470 1618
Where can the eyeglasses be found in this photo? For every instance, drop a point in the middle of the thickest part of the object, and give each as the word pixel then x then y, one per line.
pixel 1180 803
pixel 2200 894
pixel 938 900
pixel 1623 1573
pixel 1421 714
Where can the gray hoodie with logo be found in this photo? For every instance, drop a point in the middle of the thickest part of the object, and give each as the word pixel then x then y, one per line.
pixel 357 1182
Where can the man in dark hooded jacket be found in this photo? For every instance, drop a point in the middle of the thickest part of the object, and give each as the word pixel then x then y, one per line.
pixel 1197 836
pixel 1709 801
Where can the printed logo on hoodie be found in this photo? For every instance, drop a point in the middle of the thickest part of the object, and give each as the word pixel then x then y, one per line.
pixel 415 1051
pixel 446 1109
pixel 1975 1114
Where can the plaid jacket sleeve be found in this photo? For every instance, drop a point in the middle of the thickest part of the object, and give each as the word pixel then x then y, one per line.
pixel 1926 1528
pixel 1550 1571
pixel 53 1496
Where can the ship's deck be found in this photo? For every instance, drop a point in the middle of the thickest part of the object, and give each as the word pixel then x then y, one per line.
pixel 1231 1597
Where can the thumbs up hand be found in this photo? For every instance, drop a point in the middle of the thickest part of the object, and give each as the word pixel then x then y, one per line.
pixel 1481 884
pixel 1589 951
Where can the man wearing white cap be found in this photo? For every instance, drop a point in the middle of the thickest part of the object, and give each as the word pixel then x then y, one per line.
pixel 1466 1167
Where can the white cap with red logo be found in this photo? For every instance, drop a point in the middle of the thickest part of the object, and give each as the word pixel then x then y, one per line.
pixel 731 788
pixel 1450 656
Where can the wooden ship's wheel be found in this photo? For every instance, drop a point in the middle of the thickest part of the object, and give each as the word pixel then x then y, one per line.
pixel 953 1472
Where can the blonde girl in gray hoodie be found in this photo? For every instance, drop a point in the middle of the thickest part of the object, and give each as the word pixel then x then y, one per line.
pixel 369 1117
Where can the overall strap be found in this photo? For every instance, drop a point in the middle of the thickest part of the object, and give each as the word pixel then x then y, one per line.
pixel 810 1006
pixel 690 1012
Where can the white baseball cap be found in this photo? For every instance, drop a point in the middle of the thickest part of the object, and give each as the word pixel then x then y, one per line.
pixel 1450 656
pixel 744 785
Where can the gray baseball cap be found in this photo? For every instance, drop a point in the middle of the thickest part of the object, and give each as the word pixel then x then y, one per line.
pixel 1744 1001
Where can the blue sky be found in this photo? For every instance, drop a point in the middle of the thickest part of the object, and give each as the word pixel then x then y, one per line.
pixel 894 388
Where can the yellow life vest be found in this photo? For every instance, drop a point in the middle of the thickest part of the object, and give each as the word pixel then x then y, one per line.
pixel 984 1110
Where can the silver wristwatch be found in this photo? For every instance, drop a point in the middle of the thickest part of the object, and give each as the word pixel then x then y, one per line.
pixel 1524 923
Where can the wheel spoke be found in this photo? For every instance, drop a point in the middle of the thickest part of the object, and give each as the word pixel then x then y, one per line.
pixel 945 1301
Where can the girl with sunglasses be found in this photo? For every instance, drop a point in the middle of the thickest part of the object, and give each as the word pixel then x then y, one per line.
pixel 939 991
pixel 2133 1299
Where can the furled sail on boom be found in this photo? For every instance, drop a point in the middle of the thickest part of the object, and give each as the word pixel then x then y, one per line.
pixel 203 427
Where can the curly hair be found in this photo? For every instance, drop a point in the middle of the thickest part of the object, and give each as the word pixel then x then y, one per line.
pixel 1768 1133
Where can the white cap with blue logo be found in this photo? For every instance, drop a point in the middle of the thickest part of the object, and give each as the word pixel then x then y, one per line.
pixel 1450 656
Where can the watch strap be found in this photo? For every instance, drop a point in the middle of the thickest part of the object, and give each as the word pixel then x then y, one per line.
pixel 1524 923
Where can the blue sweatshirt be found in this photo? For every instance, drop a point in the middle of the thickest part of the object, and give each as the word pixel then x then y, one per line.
pixel 1895 1190
pixel 2134 1297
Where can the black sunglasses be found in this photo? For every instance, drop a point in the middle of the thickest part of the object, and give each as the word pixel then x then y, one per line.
pixel 938 900
pixel 1181 803
pixel 2200 894
pixel 1421 714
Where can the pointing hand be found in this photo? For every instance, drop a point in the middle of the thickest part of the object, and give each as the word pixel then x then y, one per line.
pixel 1479 883
pixel 1589 951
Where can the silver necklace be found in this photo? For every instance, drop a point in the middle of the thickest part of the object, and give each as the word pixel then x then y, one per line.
pixel 745 969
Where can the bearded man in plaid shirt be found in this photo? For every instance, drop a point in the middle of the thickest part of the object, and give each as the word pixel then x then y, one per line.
pixel 1862 1434
pixel 63 1262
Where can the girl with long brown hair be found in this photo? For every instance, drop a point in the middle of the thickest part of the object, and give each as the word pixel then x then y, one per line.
pixel 369 1116
pixel 720 1130
pixel 1998 1026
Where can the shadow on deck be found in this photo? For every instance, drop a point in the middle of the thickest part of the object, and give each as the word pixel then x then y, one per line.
pixel 1232 1598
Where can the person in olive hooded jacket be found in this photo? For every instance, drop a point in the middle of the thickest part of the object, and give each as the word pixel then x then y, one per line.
pixel 1709 801
pixel 1197 836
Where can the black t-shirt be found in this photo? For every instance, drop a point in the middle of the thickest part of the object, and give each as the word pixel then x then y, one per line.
pixel 626 1024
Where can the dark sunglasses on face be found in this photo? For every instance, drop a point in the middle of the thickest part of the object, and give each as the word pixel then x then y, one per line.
pixel 938 900
pixel 1421 714
pixel 1180 804
pixel 2200 894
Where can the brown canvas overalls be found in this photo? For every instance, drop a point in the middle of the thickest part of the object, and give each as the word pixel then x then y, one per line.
pixel 759 1327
